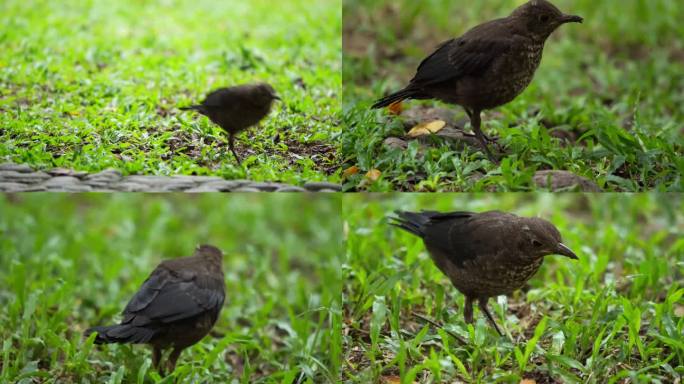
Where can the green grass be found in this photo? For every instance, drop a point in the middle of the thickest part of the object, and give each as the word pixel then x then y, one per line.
pixel 73 261
pixel 614 315
pixel 96 84
pixel 614 83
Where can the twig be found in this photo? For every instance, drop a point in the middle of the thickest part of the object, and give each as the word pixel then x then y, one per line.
pixel 455 336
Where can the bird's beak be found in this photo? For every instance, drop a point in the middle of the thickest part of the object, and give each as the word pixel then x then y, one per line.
pixel 276 97
pixel 565 251
pixel 571 19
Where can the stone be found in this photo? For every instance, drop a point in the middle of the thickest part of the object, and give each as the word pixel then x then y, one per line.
pixel 196 179
pixel 291 188
pixel 66 172
pixel 108 175
pixel 131 187
pixel 395 143
pixel 317 186
pixel 21 177
pixel 265 187
pixel 225 185
pixel 564 180
pixel 19 187
pixel 21 168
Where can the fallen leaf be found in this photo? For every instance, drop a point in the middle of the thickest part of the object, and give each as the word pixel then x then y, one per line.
pixel 373 174
pixel 427 128
pixel 353 170
pixel 396 108
pixel 528 381
pixel 679 310
pixel 390 380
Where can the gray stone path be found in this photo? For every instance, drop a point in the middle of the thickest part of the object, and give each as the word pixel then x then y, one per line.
pixel 22 178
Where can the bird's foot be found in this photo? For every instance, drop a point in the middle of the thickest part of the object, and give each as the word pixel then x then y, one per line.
pixel 488 139
pixel 484 308
pixel 489 153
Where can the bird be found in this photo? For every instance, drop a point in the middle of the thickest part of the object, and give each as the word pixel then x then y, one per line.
pixel 175 307
pixel 484 254
pixel 488 66
pixel 237 108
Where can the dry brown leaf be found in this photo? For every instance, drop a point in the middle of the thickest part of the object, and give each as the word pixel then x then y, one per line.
pixel 390 380
pixel 373 175
pixel 679 310
pixel 427 128
pixel 396 108
pixel 353 170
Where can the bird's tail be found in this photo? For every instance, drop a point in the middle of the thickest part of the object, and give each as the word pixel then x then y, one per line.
pixel 417 222
pixel 412 222
pixel 406 93
pixel 121 333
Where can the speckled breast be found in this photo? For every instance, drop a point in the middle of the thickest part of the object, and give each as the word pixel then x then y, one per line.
pixel 506 79
pixel 493 279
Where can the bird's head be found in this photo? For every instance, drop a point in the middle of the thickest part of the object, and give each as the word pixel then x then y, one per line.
pixel 266 92
pixel 541 18
pixel 210 252
pixel 541 238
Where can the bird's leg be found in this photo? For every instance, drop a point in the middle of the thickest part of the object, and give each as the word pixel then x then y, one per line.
pixel 156 357
pixel 475 121
pixel 231 144
pixel 483 308
pixel 468 310
pixel 173 357
pixel 470 114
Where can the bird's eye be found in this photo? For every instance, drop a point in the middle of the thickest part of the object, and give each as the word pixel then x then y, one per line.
pixel 536 243
pixel 544 18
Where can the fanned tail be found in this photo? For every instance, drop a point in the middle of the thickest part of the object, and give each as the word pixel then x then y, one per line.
pixel 416 222
pixel 406 93
pixel 121 333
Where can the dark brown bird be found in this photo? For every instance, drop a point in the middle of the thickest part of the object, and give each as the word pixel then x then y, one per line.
pixel 484 254
pixel 237 108
pixel 175 308
pixel 488 66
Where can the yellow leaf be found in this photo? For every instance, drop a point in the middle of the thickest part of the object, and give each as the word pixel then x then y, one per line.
pixel 390 380
pixel 353 170
pixel 427 128
pixel 528 381
pixel 373 174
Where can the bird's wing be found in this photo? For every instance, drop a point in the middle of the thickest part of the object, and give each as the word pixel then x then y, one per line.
pixel 439 235
pixel 464 236
pixel 469 55
pixel 221 97
pixel 169 296
pixel 233 98
pixel 482 237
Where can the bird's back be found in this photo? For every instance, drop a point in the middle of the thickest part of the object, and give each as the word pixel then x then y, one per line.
pixel 479 252
pixel 237 108
pixel 180 295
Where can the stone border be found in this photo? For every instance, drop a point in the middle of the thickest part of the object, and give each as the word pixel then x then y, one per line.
pixel 22 178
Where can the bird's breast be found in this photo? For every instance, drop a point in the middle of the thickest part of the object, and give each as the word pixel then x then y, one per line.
pixel 490 277
pixel 508 76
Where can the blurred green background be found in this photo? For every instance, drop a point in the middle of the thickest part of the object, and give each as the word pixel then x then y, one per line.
pixel 612 86
pixel 73 261
pixel 97 84
pixel 614 315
